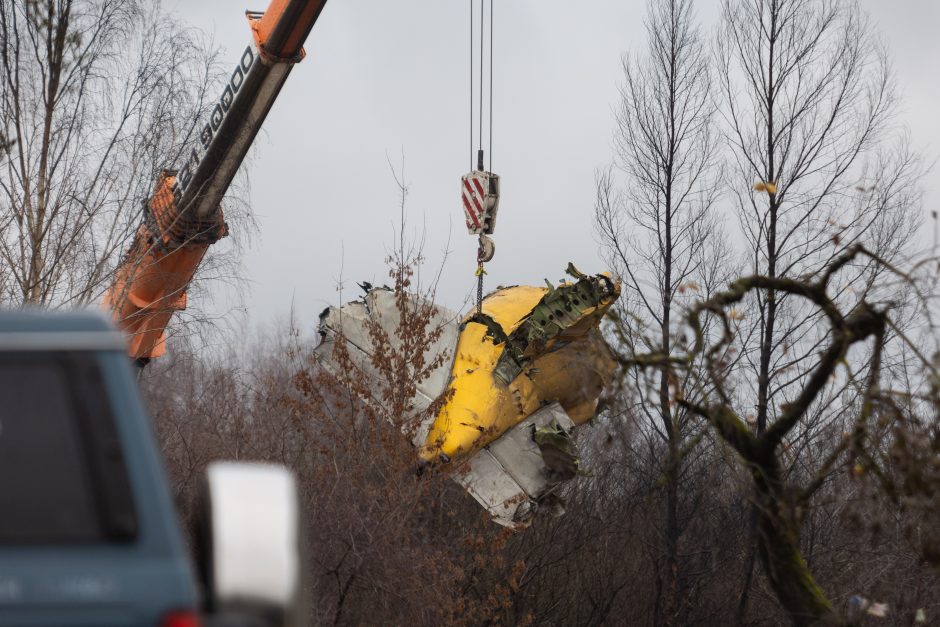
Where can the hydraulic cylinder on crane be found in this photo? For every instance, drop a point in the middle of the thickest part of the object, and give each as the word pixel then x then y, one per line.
pixel 184 217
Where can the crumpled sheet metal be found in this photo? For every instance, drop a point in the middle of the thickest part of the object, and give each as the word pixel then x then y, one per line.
pixel 510 477
pixel 485 431
pixel 558 356
pixel 353 320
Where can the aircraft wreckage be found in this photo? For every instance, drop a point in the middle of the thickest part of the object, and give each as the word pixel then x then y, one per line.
pixel 518 375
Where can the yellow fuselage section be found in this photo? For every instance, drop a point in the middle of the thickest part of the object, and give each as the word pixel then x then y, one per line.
pixel 571 370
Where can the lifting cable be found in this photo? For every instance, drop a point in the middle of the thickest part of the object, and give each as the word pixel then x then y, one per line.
pixel 490 198
pixel 480 145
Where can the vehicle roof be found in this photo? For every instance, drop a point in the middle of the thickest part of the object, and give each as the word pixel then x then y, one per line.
pixel 57 330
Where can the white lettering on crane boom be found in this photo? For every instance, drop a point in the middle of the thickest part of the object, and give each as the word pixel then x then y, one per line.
pixel 216 117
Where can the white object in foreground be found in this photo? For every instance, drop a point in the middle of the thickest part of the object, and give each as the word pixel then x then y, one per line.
pixel 254 525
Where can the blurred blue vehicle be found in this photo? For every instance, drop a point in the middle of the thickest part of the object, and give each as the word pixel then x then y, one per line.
pixel 88 530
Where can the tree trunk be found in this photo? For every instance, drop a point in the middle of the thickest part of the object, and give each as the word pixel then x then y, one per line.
pixel 778 545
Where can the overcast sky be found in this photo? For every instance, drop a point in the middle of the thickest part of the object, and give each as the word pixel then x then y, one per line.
pixel 386 78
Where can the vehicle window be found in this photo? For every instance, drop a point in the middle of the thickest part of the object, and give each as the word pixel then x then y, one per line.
pixel 52 458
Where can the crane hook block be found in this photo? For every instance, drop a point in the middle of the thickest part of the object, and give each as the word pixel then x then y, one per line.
pixel 480 192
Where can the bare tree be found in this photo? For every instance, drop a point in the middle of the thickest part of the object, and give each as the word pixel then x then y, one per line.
pixel 97 96
pixel 903 468
pixel 662 237
pixel 815 168
pixel 808 99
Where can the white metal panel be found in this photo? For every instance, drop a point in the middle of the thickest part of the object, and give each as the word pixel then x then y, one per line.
pixel 519 455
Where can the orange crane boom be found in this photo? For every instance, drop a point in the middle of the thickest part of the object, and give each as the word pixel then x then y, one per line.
pixel 184 216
